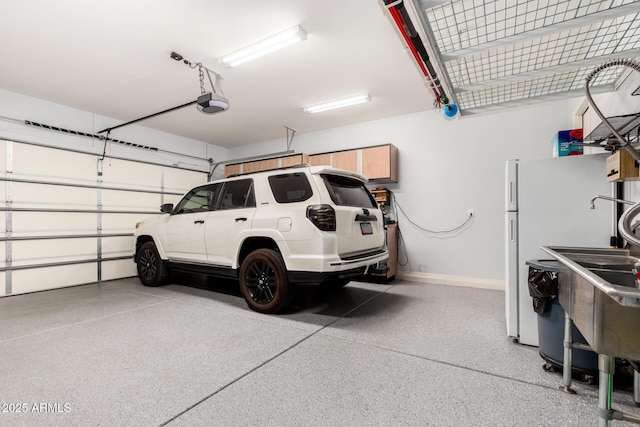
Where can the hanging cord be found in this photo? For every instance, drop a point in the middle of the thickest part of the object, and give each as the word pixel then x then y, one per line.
pixel 399 238
pixel 200 74
pixel 201 69
pixel 461 226
pixel 404 249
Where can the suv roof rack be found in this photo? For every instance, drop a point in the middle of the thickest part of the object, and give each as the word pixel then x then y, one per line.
pixel 299 166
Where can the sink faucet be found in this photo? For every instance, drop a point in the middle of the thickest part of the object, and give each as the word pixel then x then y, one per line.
pixel 593 201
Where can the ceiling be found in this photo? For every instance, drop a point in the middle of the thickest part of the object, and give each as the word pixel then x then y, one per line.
pixel 112 58
pixel 497 54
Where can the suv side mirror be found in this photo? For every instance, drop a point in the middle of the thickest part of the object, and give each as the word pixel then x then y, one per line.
pixel 166 208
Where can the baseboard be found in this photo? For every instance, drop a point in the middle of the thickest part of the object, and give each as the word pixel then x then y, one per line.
pixel 444 279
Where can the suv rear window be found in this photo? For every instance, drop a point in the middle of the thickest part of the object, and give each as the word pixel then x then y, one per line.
pixel 290 187
pixel 345 191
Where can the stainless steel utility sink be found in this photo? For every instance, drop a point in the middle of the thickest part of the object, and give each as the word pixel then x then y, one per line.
pixel 597 289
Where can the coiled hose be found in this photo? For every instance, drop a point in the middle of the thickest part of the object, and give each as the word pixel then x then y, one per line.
pixel 614 63
pixel 624 224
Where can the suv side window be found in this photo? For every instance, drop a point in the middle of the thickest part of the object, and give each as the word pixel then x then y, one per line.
pixel 237 195
pixel 345 191
pixel 290 187
pixel 200 199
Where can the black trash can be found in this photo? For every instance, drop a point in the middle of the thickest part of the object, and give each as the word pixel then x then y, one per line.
pixel 543 288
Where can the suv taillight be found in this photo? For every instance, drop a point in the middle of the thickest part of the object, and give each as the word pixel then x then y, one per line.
pixel 322 216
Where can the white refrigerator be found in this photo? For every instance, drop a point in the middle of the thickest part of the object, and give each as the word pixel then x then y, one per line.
pixel 547 204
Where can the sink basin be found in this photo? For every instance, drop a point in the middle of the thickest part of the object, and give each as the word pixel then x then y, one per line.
pixel 597 289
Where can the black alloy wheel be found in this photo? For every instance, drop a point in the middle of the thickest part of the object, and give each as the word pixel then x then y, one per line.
pixel 263 281
pixel 151 270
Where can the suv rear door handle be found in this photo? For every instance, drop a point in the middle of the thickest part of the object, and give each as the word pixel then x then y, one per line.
pixel 241 218
pixel 199 221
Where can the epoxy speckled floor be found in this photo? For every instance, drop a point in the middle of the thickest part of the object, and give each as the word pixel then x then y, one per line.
pixel 192 353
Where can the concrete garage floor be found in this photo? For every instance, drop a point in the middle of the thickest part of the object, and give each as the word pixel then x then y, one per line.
pixel 186 354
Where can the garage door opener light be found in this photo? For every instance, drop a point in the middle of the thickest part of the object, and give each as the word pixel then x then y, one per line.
pixel 211 102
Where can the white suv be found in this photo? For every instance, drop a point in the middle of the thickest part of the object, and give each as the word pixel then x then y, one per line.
pixel 270 230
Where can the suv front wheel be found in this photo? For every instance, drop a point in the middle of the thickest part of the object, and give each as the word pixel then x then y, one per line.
pixel 263 281
pixel 151 269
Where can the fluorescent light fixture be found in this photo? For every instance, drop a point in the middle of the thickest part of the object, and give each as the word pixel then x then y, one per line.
pixel 263 47
pixel 338 103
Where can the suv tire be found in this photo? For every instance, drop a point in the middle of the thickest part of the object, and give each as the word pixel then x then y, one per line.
pixel 151 269
pixel 263 281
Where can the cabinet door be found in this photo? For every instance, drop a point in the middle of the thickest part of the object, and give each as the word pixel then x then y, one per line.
pixel 347 160
pixel 269 164
pixel 250 167
pixel 231 170
pixel 291 160
pixel 380 163
pixel 320 159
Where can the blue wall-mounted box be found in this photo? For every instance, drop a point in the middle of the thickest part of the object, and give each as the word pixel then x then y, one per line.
pixel 561 145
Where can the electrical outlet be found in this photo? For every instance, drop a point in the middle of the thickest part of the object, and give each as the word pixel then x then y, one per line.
pixel 470 212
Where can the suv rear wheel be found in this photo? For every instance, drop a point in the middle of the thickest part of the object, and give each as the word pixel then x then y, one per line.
pixel 263 281
pixel 151 269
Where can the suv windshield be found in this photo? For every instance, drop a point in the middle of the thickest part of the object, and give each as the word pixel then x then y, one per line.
pixel 345 191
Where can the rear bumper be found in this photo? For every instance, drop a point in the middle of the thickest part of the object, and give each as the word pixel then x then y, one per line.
pixel 372 267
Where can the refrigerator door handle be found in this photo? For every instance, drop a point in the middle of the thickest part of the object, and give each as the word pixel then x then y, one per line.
pixel 511 193
pixel 512 230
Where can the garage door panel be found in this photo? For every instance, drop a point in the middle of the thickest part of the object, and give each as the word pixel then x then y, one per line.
pixel 53 196
pixel 40 279
pixel 36 162
pixel 180 181
pixel 118 269
pixel 45 251
pixel 124 200
pixel 128 174
pixel 117 245
pixel 121 223
pixel 54 223
pixel 3 156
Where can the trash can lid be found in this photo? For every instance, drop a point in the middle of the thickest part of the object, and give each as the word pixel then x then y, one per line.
pixel 545 264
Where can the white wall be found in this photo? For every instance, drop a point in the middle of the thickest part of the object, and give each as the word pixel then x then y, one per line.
pixel 446 167
pixel 21 108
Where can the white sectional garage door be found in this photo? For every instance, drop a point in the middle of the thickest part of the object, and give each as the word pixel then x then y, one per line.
pixel 68 217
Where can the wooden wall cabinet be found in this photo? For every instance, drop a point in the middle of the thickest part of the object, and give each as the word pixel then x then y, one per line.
pixel 320 159
pixel 296 159
pixel 380 164
pixel 266 164
pixel 347 160
pixel 232 169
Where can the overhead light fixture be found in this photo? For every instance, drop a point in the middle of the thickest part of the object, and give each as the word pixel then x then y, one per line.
pixel 263 47
pixel 338 103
